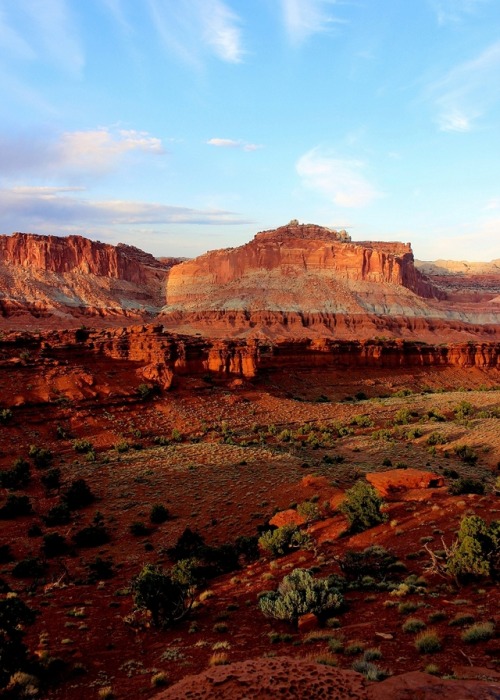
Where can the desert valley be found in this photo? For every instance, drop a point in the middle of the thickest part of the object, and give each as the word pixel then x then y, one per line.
pixel 271 470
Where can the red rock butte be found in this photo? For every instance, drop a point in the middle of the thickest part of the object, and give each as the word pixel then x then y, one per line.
pixel 303 279
pixel 299 281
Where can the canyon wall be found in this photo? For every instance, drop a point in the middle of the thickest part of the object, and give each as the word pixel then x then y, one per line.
pixel 63 279
pixel 311 255
pixel 152 355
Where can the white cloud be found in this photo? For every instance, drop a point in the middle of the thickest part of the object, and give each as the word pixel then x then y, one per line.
pixel 340 180
pixel 221 31
pixel 35 208
pixel 467 91
pixel 455 11
pixel 84 153
pixel 192 28
pixel 99 150
pixel 303 18
pixel 232 143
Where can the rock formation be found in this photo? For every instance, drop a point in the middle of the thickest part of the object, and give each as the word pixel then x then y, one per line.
pixel 309 280
pixel 293 679
pixel 73 277
pixel 299 281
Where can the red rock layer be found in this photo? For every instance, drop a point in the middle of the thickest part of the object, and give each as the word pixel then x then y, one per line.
pixel 292 250
pixel 158 356
pixel 73 277
pixel 294 679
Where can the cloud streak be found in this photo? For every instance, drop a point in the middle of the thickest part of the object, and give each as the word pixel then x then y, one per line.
pixel 455 11
pixel 82 153
pixel 303 18
pixel 339 180
pixel 232 143
pixel 194 28
pixel 29 208
pixel 467 91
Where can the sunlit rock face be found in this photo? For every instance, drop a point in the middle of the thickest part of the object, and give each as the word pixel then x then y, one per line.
pixel 303 279
pixel 64 278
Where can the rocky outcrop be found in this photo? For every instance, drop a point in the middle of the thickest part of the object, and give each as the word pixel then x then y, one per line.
pixel 395 481
pixel 298 679
pixel 291 259
pixel 73 278
pixel 309 280
pixel 157 357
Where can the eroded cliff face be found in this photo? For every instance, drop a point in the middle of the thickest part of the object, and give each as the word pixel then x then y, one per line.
pixel 73 277
pixel 308 280
pixel 302 265
pixel 86 364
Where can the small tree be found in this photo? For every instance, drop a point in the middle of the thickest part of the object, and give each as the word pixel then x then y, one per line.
pixel 300 593
pixel 283 539
pixel 78 495
pixel 166 595
pixel 475 552
pixel 362 507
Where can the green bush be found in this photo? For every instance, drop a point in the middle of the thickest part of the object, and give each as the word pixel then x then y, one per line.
pixel 17 477
pixel 466 485
pixel 59 514
pixel 78 495
pixel 5 415
pixel 413 624
pixel 475 552
pixel 437 439
pixel 283 539
pixel 158 514
pixel 100 569
pixel 93 535
pixel 83 446
pixel 309 510
pixel 145 391
pixel 14 616
pixel 15 506
pixel 362 507
pixel 373 561
pixel 480 632
pixel 31 567
pixel 41 456
pixel 54 545
pixel 52 479
pixel 464 410
pixel 402 417
pixel 300 593
pixel 167 595
pixel 139 529
pixel 466 454
pixel 428 642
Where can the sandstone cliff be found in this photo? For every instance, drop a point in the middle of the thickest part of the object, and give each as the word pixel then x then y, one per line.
pixel 305 279
pixel 82 364
pixel 74 277
pixel 295 267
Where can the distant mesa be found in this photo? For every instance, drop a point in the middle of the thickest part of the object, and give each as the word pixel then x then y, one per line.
pixel 298 280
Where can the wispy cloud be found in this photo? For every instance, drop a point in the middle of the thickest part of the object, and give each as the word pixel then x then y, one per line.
pixel 193 28
pixel 86 153
pixel 303 18
pixel 455 11
pixel 467 91
pixel 40 208
pixel 54 33
pixel 221 31
pixel 342 181
pixel 232 143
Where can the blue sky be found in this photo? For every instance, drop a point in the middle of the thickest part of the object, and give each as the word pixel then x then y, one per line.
pixel 182 126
